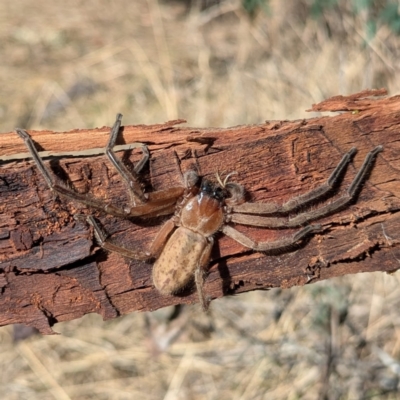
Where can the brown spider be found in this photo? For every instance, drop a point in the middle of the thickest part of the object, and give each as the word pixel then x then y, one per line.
pixel 182 247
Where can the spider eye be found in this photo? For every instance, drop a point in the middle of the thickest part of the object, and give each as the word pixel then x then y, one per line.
pixel 212 190
pixel 206 187
pixel 219 193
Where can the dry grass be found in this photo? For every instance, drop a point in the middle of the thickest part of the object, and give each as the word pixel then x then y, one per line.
pixel 75 64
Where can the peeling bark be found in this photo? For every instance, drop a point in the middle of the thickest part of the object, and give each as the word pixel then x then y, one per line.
pixel 51 268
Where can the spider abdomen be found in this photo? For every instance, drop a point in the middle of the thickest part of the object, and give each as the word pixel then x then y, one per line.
pixel 178 261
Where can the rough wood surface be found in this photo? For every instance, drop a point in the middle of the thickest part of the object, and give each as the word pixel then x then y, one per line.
pixel 52 270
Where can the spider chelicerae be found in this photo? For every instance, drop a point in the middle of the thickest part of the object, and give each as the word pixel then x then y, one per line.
pixel 201 208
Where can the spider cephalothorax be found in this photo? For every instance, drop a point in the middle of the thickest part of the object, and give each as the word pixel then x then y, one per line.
pixel 182 247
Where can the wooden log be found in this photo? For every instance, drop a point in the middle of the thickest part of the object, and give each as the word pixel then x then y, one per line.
pixel 51 268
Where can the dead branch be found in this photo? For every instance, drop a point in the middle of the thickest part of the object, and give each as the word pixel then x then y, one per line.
pixel 52 270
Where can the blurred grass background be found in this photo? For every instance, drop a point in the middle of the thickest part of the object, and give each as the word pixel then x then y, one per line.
pixel 75 64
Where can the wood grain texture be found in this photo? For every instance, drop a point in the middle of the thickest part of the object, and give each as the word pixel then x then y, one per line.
pixel 52 270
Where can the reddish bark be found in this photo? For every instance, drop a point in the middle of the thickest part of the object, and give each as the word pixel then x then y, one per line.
pixel 52 270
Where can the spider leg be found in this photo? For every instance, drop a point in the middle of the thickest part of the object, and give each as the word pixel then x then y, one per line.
pixel 155 248
pixel 302 200
pixel 277 245
pixel 301 219
pixel 130 178
pixel 157 203
pixel 200 275
pixel 54 186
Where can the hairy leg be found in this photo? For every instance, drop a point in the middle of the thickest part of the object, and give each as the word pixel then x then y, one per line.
pixel 155 204
pixel 130 178
pixel 200 275
pixel 304 199
pixel 155 248
pixel 277 245
pixel 303 218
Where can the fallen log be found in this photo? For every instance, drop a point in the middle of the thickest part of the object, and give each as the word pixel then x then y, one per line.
pixel 52 269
